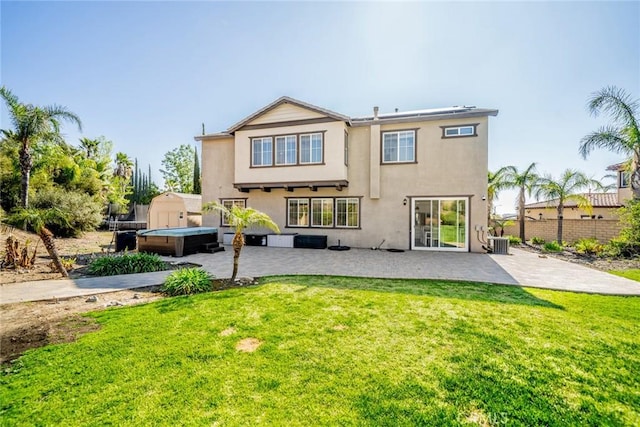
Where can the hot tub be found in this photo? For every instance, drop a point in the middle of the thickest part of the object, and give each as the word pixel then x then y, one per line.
pixel 176 241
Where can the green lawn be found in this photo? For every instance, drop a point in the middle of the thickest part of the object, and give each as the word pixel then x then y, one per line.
pixel 633 274
pixel 342 351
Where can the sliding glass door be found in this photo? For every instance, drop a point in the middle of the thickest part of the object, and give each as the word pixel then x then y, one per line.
pixel 440 224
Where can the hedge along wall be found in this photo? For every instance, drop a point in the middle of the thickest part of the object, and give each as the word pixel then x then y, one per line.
pixel 572 229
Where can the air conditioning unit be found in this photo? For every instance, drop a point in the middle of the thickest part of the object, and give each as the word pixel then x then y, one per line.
pixel 499 245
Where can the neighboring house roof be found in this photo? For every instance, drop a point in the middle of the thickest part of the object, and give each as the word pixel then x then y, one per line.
pixel 288 100
pixel 597 200
pixel 618 166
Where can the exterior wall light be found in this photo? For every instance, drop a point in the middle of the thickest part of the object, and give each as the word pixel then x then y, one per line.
pixel 404 202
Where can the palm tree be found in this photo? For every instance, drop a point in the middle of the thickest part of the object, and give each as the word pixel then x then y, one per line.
pixel 566 188
pixel 90 147
pixel 124 166
pixel 38 219
pixel 33 124
pixel 526 182
pixel 495 183
pixel 241 219
pixel 622 135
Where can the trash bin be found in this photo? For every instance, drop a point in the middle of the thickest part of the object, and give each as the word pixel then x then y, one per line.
pixel 125 240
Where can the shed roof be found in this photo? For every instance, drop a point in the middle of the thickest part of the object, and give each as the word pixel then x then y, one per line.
pixel 192 202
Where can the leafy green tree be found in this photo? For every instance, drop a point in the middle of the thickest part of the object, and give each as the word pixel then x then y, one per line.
pixel 622 135
pixel 241 219
pixel 39 220
pixel 9 172
pixel 33 124
pixel 564 189
pixel 526 182
pixel 178 169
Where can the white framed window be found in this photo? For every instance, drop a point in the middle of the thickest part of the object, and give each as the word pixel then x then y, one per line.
pixel 229 203
pixel 348 212
pixel 458 131
pixel 298 212
pixel 262 151
pixel 322 212
pixel 286 150
pixel 311 148
pixel 623 179
pixel 399 146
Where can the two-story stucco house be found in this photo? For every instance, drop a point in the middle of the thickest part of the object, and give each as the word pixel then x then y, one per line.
pixel 417 179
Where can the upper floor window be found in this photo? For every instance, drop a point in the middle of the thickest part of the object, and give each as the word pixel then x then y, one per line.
pixel 296 149
pixel 459 131
pixel 229 203
pixel 286 150
pixel 311 148
pixel 623 179
pixel 261 152
pixel 399 146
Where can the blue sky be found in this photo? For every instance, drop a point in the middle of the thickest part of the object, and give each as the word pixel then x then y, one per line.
pixel 147 74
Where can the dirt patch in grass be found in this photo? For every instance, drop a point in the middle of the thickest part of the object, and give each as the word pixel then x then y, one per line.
pixel 340 328
pixel 227 332
pixel 248 345
pixel 28 325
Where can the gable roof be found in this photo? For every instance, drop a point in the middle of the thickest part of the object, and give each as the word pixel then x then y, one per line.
pixel 597 200
pixel 288 100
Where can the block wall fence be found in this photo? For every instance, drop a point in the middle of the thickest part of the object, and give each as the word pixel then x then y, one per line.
pixel 572 229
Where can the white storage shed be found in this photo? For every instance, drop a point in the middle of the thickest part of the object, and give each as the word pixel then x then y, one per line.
pixel 172 210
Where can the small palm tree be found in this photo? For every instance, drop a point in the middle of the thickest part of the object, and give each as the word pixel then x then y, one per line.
pixel 38 219
pixel 526 182
pixel 623 135
pixel 566 188
pixel 241 219
pixel 495 183
pixel 33 124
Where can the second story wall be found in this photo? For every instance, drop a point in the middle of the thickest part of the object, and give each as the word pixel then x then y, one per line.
pixel 291 168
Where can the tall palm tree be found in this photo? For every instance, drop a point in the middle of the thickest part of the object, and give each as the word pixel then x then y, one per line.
pixel 495 183
pixel 526 182
pixel 32 124
pixel 124 166
pixel 38 219
pixel 90 147
pixel 564 189
pixel 622 135
pixel 241 219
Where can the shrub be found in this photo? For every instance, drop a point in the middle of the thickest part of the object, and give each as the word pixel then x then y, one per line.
pixel 552 247
pixel 514 240
pixel 588 247
pixel 82 211
pixel 187 281
pixel 126 264
pixel 621 247
pixel 537 241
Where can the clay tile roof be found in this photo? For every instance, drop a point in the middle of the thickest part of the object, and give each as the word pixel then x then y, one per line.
pixel 597 200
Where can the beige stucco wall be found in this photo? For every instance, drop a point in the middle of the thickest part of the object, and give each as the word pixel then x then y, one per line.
pixel 332 169
pixel 572 213
pixel 445 167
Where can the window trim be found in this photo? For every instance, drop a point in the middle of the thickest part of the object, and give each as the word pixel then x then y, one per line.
pixel 310 135
pixel 334 205
pixel 273 149
pixel 232 199
pixel 262 139
pixel 396 162
pixel 474 127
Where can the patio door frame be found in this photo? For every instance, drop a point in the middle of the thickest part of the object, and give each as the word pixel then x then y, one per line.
pixel 413 245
